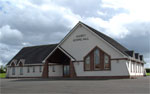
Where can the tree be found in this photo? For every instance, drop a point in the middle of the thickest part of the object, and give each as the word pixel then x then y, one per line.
pixel 2 69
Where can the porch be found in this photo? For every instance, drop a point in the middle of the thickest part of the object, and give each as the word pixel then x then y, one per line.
pixel 60 63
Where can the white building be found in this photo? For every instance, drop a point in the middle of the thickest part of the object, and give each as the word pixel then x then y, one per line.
pixel 84 52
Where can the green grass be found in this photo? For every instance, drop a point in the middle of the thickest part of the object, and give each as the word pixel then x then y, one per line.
pixel 148 74
pixel 2 75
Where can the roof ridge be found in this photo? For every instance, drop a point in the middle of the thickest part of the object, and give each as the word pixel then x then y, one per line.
pixel 108 39
pixel 41 45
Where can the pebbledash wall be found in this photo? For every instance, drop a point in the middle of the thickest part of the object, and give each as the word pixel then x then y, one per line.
pixel 78 43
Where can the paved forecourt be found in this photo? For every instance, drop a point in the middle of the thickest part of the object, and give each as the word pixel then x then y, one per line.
pixel 47 86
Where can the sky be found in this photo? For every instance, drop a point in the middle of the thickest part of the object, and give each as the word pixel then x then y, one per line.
pixel 37 22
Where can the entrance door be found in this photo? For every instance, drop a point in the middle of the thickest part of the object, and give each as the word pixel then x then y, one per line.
pixel 66 71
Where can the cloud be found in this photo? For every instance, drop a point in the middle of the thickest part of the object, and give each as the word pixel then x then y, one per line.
pixel 7 52
pixel 10 36
pixel 36 22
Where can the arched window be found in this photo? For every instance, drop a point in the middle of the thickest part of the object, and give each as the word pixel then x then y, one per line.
pixel 96 59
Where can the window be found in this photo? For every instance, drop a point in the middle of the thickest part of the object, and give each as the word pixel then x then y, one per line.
pixel 28 70
pixel 96 59
pixel 106 61
pixel 13 70
pixel 40 69
pixel 21 70
pixel 33 69
pixel 87 63
pixel 53 68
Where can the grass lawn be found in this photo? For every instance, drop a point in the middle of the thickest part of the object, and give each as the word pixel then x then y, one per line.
pixel 2 75
pixel 148 74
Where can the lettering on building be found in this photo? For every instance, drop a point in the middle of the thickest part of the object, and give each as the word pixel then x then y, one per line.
pixel 80 37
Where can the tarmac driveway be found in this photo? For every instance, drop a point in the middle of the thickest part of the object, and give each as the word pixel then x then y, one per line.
pixel 140 85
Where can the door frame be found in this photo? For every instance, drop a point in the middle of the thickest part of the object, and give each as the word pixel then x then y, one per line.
pixel 68 76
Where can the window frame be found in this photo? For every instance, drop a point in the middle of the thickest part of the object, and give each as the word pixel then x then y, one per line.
pixel 21 70
pixel 89 62
pixel 91 54
pixel 40 68
pixel 28 69
pixel 94 62
pixel 33 68
pixel 53 68
pixel 108 62
pixel 13 70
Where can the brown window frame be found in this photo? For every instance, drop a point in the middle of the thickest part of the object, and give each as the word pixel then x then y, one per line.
pixel 85 62
pixel 101 53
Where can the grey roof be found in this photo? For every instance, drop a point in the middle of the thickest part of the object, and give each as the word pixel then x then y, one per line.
pixel 141 57
pixel 34 54
pixel 109 40
pixel 130 53
pixel 136 55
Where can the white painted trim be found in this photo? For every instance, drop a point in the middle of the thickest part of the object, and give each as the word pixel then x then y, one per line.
pixel 21 60
pixel 65 53
pixel 13 61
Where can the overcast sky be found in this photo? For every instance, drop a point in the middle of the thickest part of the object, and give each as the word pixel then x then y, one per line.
pixel 36 22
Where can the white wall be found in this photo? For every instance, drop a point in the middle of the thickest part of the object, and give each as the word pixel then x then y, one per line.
pixel 135 69
pixel 58 71
pixel 79 49
pixel 37 73
pixel 117 69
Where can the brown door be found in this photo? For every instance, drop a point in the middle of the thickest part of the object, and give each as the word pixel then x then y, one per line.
pixel 66 71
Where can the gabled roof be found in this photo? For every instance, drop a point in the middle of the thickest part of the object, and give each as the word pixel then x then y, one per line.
pixel 34 54
pixel 137 55
pixel 130 53
pixel 109 40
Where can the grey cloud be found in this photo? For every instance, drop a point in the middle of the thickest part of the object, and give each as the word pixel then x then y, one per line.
pixel 85 8
pixel 7 52
pixel 42 27
pixel 138 39
pixel 10 36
